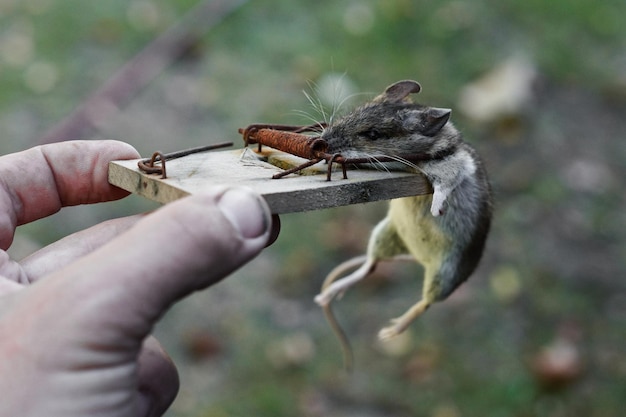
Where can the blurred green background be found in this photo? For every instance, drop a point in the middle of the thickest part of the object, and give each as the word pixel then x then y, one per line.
pixel 538 87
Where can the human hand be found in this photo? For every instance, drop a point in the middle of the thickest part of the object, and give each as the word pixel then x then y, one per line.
pixel 75 317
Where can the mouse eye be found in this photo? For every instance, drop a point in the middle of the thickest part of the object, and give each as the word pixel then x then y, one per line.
pixel 371 134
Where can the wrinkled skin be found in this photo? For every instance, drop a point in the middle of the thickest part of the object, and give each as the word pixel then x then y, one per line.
pixel 76 316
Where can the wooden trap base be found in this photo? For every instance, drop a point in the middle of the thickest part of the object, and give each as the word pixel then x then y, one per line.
pixel 305 191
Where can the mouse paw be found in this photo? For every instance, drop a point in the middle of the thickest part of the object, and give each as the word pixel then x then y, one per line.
pixel 437 209
pixel 440 195
pixel 326 296
pixel 323 299
pixel 397 326
pixel 388 333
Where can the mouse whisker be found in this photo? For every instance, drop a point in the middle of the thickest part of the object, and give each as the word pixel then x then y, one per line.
pixel 403 161
pixel 308 116
pixel 335 99
pixel 388 166
pixel 378 163
pixel 375 162
pixel 317 105
pixel 337 108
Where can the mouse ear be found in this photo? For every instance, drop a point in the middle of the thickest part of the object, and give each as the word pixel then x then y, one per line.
pixel 399 91
pixel 435 119
pixel 428 121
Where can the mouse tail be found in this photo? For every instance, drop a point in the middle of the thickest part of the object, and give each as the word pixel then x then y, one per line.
pixel 340 334
pixel 342 268
pixel 342 338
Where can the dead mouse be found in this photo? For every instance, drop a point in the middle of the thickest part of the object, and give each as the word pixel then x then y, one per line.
pixel 445 231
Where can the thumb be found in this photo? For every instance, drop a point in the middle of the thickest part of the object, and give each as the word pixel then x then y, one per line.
pixel 122 288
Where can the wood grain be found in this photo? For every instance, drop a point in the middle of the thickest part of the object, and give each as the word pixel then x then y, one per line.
pixel 246 168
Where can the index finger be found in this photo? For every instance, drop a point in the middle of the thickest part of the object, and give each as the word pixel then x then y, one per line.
pixel 39 181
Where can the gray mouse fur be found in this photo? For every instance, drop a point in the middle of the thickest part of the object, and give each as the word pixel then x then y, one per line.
pixel 445 231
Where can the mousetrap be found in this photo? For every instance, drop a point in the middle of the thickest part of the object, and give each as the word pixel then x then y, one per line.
pixel 187 172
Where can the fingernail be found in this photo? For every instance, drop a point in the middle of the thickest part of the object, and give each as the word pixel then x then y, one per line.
pixel 246 211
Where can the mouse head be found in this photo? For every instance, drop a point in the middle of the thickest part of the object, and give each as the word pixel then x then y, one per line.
pixel 392 125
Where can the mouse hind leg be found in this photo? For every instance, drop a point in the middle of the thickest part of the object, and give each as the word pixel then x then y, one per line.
pixel 392 247
pixel 335 289
pixel 400 324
